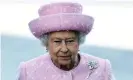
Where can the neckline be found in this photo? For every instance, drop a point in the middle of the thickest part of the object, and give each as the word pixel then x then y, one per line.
pixel 63 71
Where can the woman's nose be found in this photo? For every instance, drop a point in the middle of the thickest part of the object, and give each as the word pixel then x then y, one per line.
pixel 64 47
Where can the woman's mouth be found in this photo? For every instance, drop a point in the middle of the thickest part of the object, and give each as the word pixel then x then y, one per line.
pixel 65 57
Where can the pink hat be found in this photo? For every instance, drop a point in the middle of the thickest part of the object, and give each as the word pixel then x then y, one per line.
pixel 60 16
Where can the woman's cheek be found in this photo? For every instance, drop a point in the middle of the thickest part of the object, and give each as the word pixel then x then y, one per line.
pixel 76 46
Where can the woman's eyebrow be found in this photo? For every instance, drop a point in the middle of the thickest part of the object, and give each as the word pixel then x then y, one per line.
pixel 71 38
pixel 56 38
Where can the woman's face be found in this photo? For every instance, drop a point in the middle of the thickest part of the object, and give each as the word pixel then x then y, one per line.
pixel 63 47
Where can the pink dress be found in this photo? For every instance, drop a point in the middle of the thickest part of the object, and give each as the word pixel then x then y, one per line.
pixel 42 68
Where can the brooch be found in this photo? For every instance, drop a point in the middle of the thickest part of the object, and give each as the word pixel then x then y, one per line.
pixel 92 65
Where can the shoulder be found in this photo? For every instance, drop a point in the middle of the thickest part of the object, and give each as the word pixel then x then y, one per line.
pixel 43 57
pixel 34 66
pixel 35 62
pixel 103 63
pixel 89 57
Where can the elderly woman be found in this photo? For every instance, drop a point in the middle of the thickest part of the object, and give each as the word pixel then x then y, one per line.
pixel 62 27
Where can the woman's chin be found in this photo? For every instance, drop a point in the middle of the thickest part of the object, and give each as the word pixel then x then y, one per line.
pixel 64 62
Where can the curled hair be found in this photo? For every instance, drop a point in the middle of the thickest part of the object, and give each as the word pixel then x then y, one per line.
pixel 81 38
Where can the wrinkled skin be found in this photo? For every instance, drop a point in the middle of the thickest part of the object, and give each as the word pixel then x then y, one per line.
pixel 63 48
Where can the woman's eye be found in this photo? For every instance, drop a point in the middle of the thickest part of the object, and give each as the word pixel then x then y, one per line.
pixel 70 41
pixel 57 41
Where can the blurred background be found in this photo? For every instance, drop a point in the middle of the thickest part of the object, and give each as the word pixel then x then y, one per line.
pixel 111 37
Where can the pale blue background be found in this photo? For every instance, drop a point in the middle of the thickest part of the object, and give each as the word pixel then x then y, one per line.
pixel 16 49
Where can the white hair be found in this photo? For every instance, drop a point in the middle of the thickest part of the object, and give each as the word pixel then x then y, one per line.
pixel 81 38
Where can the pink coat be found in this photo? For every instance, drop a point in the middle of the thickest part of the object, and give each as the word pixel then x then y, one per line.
pixel 42 68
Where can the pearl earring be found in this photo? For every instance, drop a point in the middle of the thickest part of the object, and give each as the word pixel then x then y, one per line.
pixel 46 50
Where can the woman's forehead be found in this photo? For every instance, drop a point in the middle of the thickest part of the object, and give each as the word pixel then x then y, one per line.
pixel 63 34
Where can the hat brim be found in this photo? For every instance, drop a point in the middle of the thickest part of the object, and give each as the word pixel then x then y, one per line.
pixel 58 22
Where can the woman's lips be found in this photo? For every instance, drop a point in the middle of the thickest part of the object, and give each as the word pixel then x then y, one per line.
pixel 65 57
